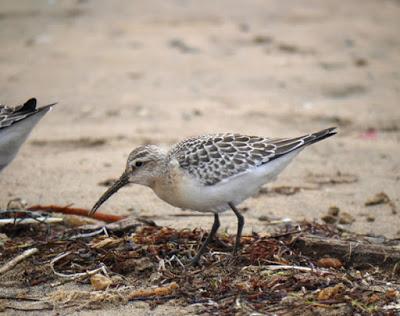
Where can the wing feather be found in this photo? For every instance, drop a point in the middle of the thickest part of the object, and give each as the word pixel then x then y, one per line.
pixel 216 157
pixel 9 116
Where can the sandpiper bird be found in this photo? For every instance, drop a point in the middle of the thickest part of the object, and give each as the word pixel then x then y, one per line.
pixel 211 173
pixel 15 126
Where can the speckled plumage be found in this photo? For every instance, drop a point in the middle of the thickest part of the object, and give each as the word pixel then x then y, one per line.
pixel 215 157
pixel 211 173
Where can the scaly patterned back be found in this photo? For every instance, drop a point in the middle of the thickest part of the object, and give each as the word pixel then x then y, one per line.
pixel 215 157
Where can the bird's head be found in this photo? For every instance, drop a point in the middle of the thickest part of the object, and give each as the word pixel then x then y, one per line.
pixel 142 167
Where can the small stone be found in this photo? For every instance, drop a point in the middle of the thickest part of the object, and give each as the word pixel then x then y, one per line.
pixel 346 219
pixel 262 39
pixel 3 239
pixel 197 112
pixel 333 211
pixel 391 293
pixel 330 292
pixel 100 282
pixel 112 112
pixel 360 62
pixel 182 46
pixel 374 298
pixel 370 218
pixel 288 48
pixel 76 221
pixel 17 204
pixel 379 198
pixel 329 219
pixel 107 242
pixel 286 190
pixel 329 263
pixel 264 218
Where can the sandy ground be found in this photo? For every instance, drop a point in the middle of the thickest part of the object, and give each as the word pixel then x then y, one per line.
pixel 127 73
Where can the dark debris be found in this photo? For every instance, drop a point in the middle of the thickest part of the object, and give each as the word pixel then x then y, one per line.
pixel 223 284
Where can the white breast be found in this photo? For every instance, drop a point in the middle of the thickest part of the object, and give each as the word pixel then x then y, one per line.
pixel 187 193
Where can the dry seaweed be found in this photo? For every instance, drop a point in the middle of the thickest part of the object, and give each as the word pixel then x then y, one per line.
pixel 272 274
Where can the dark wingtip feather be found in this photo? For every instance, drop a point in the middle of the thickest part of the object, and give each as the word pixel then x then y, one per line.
pixel 29 106
pixel 331 130
pixel 325 133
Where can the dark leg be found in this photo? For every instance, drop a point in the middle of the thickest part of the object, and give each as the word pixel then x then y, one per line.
pixel 239 229
pixel 210 237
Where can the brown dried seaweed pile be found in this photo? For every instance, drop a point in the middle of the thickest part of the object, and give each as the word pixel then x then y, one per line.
pixel 149 263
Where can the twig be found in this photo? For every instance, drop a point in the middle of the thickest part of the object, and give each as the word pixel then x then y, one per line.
pixel 297 231
pixel 17 298
pixel 394 307
pixel 13 262
pixel 159 291
pixel 284 220
pixel 176 259
pixel 299 268
pixel 161 264
pixel 108 218
pixel 36 220
pixel 74 276
pixel 91 234
pixel 29 309
pixel 150 298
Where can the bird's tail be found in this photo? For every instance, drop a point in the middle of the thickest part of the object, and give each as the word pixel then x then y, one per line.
pixel 316 137
pixel 284 146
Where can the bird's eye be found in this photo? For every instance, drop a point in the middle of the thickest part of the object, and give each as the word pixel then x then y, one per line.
pixel 138 164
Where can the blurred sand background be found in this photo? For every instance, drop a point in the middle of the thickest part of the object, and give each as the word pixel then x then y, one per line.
pixel 132 72
pixel 126 73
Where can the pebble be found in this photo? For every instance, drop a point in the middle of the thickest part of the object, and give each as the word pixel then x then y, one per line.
pixel 333 211
pixel 345 218
pixel 100 282
pixel 329 263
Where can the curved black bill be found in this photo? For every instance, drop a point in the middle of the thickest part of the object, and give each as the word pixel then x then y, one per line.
pixel 122 181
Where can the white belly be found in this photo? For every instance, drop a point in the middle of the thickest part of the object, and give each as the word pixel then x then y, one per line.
pixel 190 194
pixel 12 137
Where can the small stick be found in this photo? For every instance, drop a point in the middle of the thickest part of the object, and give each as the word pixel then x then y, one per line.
pixel 176 259
pixel 158 292
pixel 74 275
pixel 91 234
pixel 299 268
pixel 108 218
pixel 30 309
pixel 13 262
pixel 16 298
pixel 36 220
